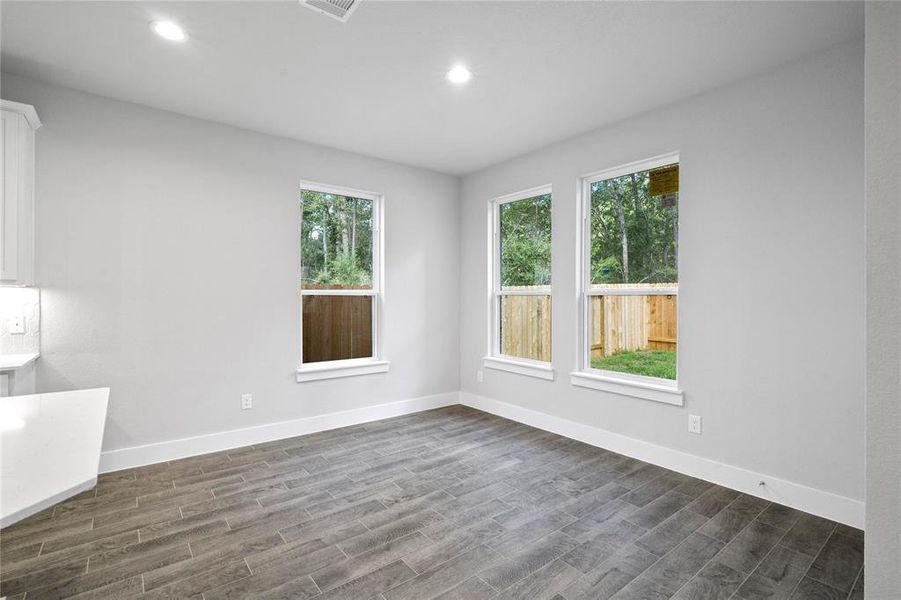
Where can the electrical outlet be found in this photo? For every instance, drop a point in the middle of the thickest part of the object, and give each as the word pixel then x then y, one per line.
pixel 17 324
pixel 694 424
pixel 479 376
pixel 246 401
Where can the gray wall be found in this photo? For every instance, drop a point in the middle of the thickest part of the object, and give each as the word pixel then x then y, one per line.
pixel 771 333
pixel 883 147
pixel 167 254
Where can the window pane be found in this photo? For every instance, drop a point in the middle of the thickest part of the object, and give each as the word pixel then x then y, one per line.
pixel 525 323
pixel 335 241
pixel 525 240
pixel 634 234
pixel 336 327
pixel 634 334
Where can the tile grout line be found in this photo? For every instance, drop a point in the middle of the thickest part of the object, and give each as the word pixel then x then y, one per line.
pixel 856 579
pixel 684 540
pixel 762 560
pixel 797 585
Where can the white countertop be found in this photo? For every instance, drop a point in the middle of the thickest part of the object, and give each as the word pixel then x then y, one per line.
pixel 11 362
pixel 49 449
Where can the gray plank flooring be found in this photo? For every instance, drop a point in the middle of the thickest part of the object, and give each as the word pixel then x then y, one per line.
pixel 450 503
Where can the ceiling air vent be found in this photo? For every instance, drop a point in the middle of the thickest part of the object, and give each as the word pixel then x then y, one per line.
pixel 337 9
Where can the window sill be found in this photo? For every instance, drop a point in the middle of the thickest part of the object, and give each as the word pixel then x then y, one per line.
pixel 666 392
pixel 341 368
pixel 521 367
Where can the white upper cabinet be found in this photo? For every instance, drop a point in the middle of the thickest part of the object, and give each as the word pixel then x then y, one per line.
pixel 17 192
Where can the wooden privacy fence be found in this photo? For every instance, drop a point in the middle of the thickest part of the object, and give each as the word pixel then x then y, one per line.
pixel 623 323
pixel 618 323
pixel 526 326
pixel 336 327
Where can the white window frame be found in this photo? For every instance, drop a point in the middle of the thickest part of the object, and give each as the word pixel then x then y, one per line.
pixel 627 384
pixel 377 363
pixel 494 359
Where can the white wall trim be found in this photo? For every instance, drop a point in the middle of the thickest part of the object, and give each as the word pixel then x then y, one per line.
pixel 125 458
pixel 812 500
pixel 26 110
pixel 626 384
pixel 521 367
pixel 340 368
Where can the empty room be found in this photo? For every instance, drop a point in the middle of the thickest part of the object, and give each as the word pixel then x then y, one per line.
pixel 427 299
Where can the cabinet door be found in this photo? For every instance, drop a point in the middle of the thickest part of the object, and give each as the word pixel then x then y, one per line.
pixel 9 195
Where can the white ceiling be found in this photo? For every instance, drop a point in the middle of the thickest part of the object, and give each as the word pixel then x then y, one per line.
pixel 543 71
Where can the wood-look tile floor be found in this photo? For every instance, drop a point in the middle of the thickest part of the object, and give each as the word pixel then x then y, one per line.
pixel 449 503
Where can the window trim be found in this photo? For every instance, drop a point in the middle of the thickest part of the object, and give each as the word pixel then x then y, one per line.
pixel 334 369
pixel 376 363
pixel 521 366
pixel 584 375
pixel 493 358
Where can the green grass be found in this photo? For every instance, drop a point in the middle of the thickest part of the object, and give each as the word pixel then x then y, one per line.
pixel 652 363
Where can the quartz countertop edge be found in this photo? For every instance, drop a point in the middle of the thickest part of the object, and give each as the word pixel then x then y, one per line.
pixel 49 450
pixel 11 362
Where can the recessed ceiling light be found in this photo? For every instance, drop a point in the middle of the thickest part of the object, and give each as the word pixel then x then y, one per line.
pixel 459 74
pixel 168 30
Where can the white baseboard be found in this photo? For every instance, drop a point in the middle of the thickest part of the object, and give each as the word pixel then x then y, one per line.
pixel 812 500
pixel 126 458
pixel 47 503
